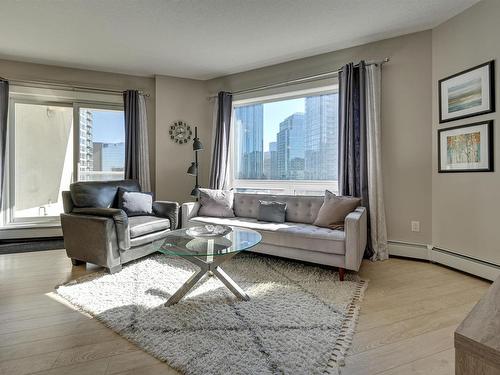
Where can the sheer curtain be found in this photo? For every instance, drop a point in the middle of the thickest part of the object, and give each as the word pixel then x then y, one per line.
pixel 4 105
pixel 374 157
pixel 136 139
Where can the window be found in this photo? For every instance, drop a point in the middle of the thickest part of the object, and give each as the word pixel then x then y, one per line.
pixel 53 143
pixel 102 136
pixel 287 144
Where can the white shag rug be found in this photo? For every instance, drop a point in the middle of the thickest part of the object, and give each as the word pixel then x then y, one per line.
pixel 300 318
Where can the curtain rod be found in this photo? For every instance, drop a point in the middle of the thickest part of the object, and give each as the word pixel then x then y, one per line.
pixel 311 78
pixel 46 84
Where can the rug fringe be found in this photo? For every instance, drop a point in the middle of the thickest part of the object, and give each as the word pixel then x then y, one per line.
pixel 346 331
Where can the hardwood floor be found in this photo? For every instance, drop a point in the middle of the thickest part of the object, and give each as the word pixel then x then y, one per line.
pixel 406 325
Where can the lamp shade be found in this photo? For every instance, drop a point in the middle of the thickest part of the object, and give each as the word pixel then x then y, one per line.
pixel 193 169
pixel 197 145
pixel 195 192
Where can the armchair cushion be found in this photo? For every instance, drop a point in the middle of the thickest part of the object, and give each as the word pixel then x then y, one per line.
pixel 142 225
pixel 99 194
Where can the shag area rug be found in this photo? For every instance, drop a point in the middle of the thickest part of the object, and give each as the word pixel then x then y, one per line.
pixel 300 318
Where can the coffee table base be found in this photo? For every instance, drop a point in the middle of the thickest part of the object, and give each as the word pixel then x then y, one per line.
pixel 210 265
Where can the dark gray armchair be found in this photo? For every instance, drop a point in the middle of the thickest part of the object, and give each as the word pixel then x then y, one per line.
pixel 98 232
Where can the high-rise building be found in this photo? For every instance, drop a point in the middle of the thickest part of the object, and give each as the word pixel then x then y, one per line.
pixel 291 148
pixel 86 145
pixel 109 157
pixel 273 153
pixel 321 138
pixel 250 127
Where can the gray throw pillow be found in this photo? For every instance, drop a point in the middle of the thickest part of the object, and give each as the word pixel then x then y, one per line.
pixel 216 203
pixel 334 210
pixel 135 203
pixel 274 212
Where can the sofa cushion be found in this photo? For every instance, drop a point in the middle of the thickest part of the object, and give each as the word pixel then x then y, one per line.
pixel 216 203
pixel 272 211
pixel 99 194
pixel 142 225
pixel 299 209
pixel 288 234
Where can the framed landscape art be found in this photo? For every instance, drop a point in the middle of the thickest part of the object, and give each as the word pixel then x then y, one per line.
pixel 466 148
pixel 468 93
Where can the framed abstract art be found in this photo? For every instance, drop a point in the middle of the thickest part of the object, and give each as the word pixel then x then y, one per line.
pixel 466 148
pixel 468 93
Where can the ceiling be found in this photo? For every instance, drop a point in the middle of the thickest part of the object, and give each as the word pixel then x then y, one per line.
pixel 202 39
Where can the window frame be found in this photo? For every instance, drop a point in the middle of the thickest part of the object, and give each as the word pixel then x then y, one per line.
pixel 278 187
pixel 9 219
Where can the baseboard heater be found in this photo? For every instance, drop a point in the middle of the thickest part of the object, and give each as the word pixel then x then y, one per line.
pixel 486 270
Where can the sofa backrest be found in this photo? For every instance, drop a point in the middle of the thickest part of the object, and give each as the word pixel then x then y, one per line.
pixel 99 194
pixel 299 208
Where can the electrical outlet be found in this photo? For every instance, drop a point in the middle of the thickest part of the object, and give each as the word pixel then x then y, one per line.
pixel 415 226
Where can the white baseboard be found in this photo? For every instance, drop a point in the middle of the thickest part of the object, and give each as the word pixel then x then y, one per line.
pixel 448 258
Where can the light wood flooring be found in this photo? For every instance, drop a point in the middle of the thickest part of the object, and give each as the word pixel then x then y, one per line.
pixel 406 326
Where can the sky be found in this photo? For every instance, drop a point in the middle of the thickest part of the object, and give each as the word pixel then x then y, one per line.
pixel 108 126
pixel 275 113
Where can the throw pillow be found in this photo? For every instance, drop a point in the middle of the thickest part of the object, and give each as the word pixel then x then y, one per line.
pixel 334 210
pixel 272 211
pixel 135 203
pixel 216 203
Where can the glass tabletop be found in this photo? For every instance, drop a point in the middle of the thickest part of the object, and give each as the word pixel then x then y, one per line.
pixel 179 243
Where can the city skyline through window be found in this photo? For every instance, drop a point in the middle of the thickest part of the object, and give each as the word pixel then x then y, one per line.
pixel 291 139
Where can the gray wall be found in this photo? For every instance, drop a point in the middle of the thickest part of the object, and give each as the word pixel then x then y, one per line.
pixel 406 120
pixel 15 70
pixel 186 100
pixel 465 206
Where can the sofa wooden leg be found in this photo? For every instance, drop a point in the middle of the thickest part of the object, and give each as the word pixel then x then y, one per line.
pixel 115 269
pixel 341 274
pixel 77 262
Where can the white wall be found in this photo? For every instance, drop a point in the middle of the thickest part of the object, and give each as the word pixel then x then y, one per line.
pixel 186 100
pixel 466 206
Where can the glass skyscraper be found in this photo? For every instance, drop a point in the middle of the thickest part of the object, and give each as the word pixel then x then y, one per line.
pixel 291 148
pixel 321 140
pixel 250 132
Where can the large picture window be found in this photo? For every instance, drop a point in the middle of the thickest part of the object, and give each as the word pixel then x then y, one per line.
pixel 287 144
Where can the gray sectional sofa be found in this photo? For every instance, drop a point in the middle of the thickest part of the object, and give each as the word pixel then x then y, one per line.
pixel 296 238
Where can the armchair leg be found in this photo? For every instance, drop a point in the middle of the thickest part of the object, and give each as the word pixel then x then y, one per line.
pixel 115 269
pixel 341 273
pixel 77 262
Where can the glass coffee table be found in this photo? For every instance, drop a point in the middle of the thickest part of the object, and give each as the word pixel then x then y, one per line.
pixel 208 254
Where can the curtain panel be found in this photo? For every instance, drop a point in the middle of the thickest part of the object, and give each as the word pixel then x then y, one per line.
pixel 222 127
pixel 136 139
pixel 4 105
pixel 360 172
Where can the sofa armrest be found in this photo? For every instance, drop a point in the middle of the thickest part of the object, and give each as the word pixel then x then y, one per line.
pixel 91 239
pixel 168 210
pixel 356 230
pixel 188 211
pixel 119 217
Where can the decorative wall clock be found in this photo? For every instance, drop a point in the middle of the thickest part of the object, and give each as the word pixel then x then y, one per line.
pixel 180 132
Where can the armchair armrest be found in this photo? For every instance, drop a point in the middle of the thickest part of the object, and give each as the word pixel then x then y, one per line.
pixel 168 210
pixel 356 229
pixel 119 217
pixel 189 210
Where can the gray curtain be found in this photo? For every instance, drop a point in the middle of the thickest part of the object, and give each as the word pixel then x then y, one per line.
pixel 218 171
pixel 353 170
pixel 4 105
pixel 136 139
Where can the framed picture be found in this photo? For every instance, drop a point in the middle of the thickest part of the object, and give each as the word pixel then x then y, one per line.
pixel 466 148
pixel 468 93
